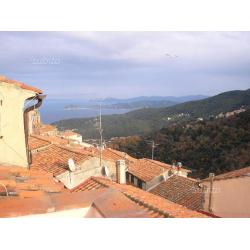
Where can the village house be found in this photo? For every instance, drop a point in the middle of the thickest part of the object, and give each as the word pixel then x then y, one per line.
pixel 35 193
pixel 46 129
pixel 56 159
pixel 14 120
pixel 71 136
pixel 146 173
pixel 182 190
pixel 42 174
pixel 227 195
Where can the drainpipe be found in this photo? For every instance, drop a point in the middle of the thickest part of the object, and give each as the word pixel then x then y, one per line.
pixel 39 99
pixel 211 178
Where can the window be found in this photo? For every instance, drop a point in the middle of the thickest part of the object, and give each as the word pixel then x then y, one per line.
pixel 139 183
pixel 132 179
pixel 135 181
pixel 127 176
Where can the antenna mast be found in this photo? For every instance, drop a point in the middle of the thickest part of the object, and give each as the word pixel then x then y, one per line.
pixel 153 149
pixel 100 131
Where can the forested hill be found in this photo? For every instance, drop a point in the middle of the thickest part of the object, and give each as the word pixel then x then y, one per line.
pixel 216 146
pixel 144 121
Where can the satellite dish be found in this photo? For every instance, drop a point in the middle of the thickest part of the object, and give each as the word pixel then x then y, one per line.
pixel 71 165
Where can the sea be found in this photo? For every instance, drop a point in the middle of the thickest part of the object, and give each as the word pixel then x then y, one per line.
pixel 53 110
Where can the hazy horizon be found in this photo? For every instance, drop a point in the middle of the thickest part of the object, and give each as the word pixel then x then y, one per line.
pixel 90 65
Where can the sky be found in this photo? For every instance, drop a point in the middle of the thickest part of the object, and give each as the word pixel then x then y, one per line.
pixel 127 64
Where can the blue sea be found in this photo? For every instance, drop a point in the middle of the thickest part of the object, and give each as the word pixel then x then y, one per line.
pixel 54 110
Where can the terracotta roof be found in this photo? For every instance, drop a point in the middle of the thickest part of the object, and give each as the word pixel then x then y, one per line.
pixel 54 159
pixel 232 174
pixel 30 192
pixel 164 165
pixel 23 183
pixel 46 128
pixel 68 133
pixel 154 205
pixel 50 139
pixel 182 190
pixel 40 205
pixel 107 154
pixel 116 155
pixel 89 184
pixel 35 143
pixel 20 84
pixel 145 170
pixel 114 204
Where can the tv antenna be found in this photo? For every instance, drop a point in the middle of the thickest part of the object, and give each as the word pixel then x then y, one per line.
pixel 154 145
pixel 100 131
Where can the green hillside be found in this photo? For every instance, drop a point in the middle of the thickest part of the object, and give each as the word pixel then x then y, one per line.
pixel 146 120
pixel 216 145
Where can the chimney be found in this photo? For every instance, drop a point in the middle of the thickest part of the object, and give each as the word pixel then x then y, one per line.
pixel 14 121
pixel 179 166
pixel 121 171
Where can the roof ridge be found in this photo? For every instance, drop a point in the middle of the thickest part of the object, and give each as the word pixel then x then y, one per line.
pixel 227 174
pixel 20 84
pixel 187 178
pixel 69 149
pixel 139 201
pixel 115 151
pixel 37 137
pixel 136 200
pixel 156 162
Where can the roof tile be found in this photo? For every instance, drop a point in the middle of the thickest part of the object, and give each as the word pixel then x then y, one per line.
pixel 155 205
pixel 20 84
pixel 54 159
pixel 182 190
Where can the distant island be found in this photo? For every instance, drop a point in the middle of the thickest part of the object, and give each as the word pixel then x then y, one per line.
pixel 141 102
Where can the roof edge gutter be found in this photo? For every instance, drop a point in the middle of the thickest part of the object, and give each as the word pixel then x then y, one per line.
pixel 39 99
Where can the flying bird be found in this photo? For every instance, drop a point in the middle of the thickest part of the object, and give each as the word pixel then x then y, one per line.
pixel 169 55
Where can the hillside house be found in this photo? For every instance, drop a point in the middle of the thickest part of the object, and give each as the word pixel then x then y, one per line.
pixel 71 136
pixel 146 173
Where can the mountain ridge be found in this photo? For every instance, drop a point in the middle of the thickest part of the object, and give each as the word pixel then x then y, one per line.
pixel 146 120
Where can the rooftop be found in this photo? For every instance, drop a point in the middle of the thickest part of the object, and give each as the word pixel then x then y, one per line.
pixel 153 205
pixel 145 170
pixel 22 183
pixel 69 133
pixel 116 155
pixel 54 159
pixel 45 128
pixel 182 190
pixel 40 139
pixel 165 165
pixel 36 143
pixel 30 193
pixel 232 174
pixel 20 84
pixel 107 153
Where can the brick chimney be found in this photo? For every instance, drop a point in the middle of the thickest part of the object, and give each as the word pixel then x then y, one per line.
pixel 121 171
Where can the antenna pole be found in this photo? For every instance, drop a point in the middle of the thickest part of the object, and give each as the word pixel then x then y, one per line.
pixel 153 148
pixel 100 130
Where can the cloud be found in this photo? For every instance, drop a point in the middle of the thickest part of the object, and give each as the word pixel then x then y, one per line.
pixel 128 63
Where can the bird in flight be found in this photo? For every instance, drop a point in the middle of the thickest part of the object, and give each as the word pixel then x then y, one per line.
pixel 169 55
